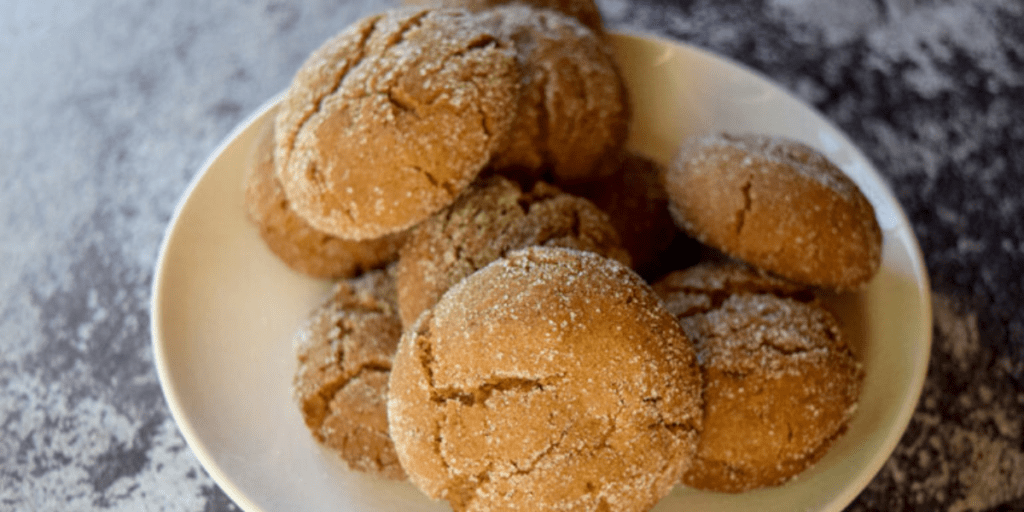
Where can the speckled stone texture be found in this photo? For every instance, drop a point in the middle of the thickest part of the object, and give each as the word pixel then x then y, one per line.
pixel 110 108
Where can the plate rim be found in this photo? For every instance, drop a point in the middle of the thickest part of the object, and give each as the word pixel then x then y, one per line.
pixel 156 321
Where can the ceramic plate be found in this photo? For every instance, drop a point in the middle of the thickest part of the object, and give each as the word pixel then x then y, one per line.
pixel 224 310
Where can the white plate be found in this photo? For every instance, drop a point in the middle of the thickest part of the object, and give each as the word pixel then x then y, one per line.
pixel 224 310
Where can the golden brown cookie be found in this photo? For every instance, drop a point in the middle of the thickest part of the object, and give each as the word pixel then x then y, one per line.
pixel 778 205
pixel 585 11
pixel 574 110
pixel 345 352
pixel 389 120
pixel 292 239
pixel 705 286
pixel 552 379
pixel 492 218
pixel 780 385
pixel 635 200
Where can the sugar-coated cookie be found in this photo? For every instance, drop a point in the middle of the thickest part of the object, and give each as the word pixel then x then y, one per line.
pixel 292 239
pixel 489 220
pixel 573 114
pixel 389 120
pixel 345 351
pixel 776 204
pixel 552 379
pixel 780 385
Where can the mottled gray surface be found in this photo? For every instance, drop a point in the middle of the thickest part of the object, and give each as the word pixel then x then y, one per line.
pixel 110 108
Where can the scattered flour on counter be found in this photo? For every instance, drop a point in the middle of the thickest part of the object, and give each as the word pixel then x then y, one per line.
pixel 928 37
pixel 957 335
pixel 933 144
pixel 66 455
pixel 841 22
pixel 994 472
pixel 963 448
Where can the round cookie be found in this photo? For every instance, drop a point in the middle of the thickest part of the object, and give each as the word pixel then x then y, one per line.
pixel 292 239
pixel 780 385
pixel 636 202
pixel 705 286
pixel 345 351
pixel 573 113
pixel 549 380
pixel 778 205
pixel 492 218
pixel 389 120
pixel 585 11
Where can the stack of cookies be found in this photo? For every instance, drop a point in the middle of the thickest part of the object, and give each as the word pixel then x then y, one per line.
pixel 526 315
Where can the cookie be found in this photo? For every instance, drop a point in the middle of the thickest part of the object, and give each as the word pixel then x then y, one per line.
pixel 778 205
pixel 548 380
pixel 780 385
pixel 292 239
pixel 345 351
pixel 585 11
pixel 635 200
pixel 388 121
pixel 492 218
pixel 573 114
pixel 706 285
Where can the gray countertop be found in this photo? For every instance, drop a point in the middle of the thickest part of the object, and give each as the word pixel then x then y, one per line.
pixel 110 108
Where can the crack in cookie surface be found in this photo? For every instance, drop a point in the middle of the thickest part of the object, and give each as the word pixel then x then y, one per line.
pixel 479 394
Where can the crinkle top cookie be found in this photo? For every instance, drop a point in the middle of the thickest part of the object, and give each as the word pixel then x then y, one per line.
pixel 780 386
pixel 776 204
pixel 552 379
pixel 292 239
pixel 389 120
pixel 492 218
pixel 574 112
pixel 344 353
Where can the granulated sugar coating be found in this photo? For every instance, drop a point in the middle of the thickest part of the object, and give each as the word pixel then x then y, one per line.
pixel 549 380
pixel 707 285
pixel 292 239
pixel 780 385
pixel 776 204
pixel 573 115
pixel 341 385
pixel 491 219
pixel 388 121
